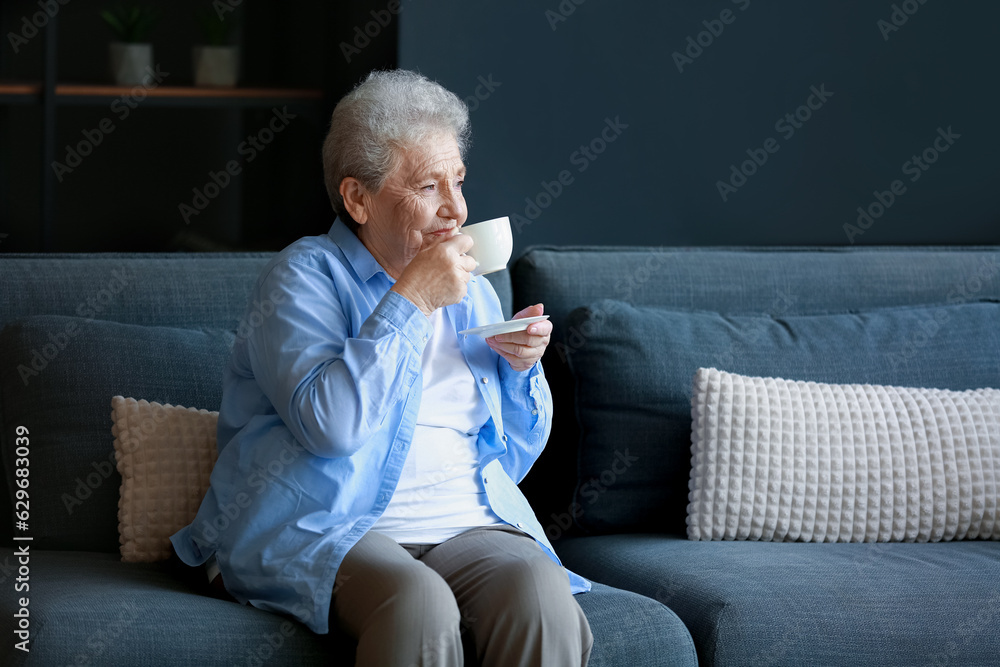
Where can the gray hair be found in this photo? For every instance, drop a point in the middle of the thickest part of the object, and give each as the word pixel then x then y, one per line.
pixel 386 114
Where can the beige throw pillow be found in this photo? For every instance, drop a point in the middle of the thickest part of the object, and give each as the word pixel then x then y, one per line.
pixel 165 455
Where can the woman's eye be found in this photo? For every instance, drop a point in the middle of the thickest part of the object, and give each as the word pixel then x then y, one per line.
pixel 460 183
pixel 429 188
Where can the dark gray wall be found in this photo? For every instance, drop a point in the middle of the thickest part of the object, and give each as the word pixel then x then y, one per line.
pixel 554 84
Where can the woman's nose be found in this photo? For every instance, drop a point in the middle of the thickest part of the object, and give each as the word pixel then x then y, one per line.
pixel 452 205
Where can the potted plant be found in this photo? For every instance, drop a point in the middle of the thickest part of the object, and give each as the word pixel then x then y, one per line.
pixel 216 63
pixel 131 55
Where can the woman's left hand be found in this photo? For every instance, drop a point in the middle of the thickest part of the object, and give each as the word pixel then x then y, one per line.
pixel 522 349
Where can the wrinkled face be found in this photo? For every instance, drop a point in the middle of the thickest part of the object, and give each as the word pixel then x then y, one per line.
pixel 421 199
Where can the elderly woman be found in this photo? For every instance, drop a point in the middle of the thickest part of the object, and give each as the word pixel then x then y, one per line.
pixel 370 455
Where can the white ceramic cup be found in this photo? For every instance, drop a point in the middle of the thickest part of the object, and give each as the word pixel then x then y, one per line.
pixel 493 243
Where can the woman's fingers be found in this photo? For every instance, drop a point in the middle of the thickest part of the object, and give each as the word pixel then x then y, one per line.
pixel 536 334
pixel 438 275
pixel 521 349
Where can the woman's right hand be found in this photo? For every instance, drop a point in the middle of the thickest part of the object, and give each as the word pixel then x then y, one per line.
pixel 439 274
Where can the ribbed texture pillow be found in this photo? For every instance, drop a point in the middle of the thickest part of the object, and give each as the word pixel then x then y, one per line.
pixel 165 455
pixel 781 460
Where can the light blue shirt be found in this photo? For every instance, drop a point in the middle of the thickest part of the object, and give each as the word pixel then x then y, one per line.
pixel 319 403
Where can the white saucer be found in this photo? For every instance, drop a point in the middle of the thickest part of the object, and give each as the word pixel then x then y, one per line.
pixel 510 326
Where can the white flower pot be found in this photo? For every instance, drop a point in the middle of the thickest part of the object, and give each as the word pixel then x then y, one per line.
pixel 216 65
pixel 131 64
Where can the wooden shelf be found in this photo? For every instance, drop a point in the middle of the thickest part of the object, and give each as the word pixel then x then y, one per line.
pixel 188 91
pixel 176 96
pixel 13 88
pixel 20 93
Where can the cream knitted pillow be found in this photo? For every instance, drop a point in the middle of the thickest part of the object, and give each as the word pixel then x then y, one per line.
pixel 782 460
pixel 165 455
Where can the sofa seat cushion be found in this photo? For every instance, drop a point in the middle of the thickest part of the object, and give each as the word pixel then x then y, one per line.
pixel 631 629
pixel 91 609
pixel 768 603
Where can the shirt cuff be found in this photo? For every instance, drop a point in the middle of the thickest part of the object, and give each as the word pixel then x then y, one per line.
pixel 517 378
pixel 523 387
pixel 212 568
pixel 398 312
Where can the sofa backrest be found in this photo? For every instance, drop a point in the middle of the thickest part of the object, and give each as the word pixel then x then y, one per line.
pixel 731 281
pixel 74 487
pixel 182 290
pixel 189 305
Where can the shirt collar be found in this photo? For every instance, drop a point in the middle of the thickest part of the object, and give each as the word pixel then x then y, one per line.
pixel 355 251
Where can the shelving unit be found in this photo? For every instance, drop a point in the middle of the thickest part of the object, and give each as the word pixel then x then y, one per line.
pixel 126 196
pixel 50 94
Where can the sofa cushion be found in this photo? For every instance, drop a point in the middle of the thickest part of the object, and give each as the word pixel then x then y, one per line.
pixel 165 455
pixel 790 604
pixel 57 377
pixel 92 609
pixel 730 280
pixel 634 630
pixel 783 460
pixel 634 368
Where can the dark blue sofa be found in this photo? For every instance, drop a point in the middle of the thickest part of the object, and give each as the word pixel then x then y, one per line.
pixel 78 329
pixel 615 508
pixel 755 603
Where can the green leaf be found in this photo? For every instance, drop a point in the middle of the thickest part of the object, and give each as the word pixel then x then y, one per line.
pixel 113 21
pixel 215 26
pixel 133 23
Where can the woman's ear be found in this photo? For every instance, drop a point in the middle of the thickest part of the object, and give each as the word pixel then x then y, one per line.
pixel 355 200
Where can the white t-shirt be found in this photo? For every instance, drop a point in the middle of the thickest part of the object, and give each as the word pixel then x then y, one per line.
pixel 440 493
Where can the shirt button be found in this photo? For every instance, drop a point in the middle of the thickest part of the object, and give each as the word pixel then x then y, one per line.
pixel 485 480
pixel 534 412
pixel 504 437
pixel 426 338
pixel 485 380
pixel 520 525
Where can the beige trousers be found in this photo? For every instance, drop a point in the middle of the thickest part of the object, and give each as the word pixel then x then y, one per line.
pixel 489 596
